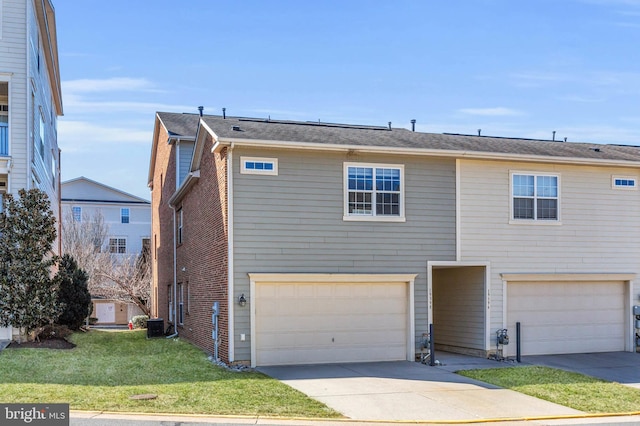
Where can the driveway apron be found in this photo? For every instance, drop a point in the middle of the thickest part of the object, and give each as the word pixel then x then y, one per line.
pixel 412 391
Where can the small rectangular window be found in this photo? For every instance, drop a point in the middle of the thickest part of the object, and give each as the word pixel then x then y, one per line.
pixel 624 182
pixel 77 213
pixel 180 304
pixel 179 226
pixel 259 166
pixel 124 215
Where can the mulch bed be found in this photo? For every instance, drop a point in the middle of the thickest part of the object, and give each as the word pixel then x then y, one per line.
pixel 55 343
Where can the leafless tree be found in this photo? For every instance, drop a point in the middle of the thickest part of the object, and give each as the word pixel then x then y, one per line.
pixel 122 277
pixel 128 279
pixel 84 240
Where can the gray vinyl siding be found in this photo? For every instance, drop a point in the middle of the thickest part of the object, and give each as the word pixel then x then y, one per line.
pixel 293 222
pixel 599 230
pixel 458 307
pixel 185 153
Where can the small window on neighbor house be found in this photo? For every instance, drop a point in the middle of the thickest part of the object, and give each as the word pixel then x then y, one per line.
pixel 259 166
pixel 624 182
pixel 77 214
pixel 124 215
pixel 117 245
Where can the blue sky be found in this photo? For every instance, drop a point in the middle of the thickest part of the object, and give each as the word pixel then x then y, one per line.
pixel 510 68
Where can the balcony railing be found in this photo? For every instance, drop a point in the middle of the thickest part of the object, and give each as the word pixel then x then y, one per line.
pixel 4 139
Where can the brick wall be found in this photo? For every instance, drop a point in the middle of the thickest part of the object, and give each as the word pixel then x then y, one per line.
pixel 164 185
pixel 204 253
pixel 201 259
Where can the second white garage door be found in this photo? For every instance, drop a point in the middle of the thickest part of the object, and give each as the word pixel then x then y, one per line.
pixel 311 322
pixel 567 317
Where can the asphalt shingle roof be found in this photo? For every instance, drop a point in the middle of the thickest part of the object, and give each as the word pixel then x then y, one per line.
pixel 393 139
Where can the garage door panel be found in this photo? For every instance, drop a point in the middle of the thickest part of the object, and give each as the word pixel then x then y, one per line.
pixel 331 322
pixel 567 317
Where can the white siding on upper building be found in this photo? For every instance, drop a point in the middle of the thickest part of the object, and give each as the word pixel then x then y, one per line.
pixel 598 231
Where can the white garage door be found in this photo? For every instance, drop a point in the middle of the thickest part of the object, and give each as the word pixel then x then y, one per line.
pixel 566 317
pixel 106 312
pixel 311 323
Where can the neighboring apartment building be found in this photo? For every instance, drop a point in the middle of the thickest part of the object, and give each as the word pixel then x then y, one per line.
pixel 322 243
pixel 129 221
pixel 30 101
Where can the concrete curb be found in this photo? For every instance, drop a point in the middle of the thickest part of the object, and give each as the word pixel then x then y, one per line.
pixel 257 419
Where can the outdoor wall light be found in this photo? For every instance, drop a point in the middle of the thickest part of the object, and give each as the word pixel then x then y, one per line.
pixel 242 301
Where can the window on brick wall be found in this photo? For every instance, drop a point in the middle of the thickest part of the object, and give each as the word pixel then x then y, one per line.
pixel 179 226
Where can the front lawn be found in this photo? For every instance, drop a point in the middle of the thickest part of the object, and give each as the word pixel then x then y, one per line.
pixel 107 368
pixel 573 390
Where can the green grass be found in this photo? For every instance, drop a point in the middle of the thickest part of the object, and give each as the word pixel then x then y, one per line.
pixel 573 390
pixel 106 368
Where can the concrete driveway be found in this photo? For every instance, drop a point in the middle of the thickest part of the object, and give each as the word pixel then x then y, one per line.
pixel 411 391
pixel 621 367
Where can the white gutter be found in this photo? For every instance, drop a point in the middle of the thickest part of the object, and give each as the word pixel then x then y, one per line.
pixel 231 295
pixel 430 152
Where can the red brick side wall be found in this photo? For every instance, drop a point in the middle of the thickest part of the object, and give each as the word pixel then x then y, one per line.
pixel 164 184
pixel 204 255
pixel 204 250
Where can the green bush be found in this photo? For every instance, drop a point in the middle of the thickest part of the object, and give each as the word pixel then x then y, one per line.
pixel 93 320
pixel 139 321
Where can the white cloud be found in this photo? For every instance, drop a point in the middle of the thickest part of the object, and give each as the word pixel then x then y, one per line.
pixel 493 112
pixel 81 136
pixel 87 85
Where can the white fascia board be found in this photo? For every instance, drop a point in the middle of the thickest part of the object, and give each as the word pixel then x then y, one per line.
pixel 478 155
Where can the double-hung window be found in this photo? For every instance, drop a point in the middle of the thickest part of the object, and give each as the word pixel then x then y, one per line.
pixel 535 197
pixel 117 245
pixel 124 215
pixel 77 213
pixel 374 192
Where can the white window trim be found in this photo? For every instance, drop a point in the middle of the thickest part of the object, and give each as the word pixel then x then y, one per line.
pixel 371 218
pixel 126 244
pixel 624 188
pixel 122 215
pixel 535 222
pixel 245 171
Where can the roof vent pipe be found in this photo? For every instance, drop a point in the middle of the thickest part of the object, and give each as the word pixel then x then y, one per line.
pixel 224 113
pixel 200 108
pixel 479 131
pixel 554 136
pixel 389 125
pixel 413 125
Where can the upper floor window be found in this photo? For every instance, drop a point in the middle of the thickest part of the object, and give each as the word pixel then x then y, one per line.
pixel 624 182
pixel 374 191
pixel 535 197
pixel 77 213
pixel 41 135
pixel 124 215
pixel 261 166
pixel 179 226
pixel 117 245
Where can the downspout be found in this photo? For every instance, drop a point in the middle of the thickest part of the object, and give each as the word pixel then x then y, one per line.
pixel 175 276
pixel 230 296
